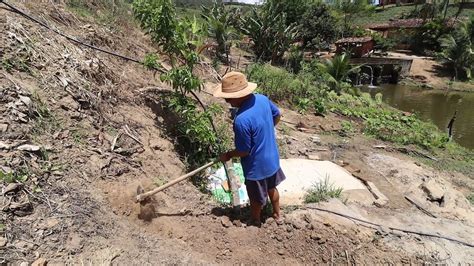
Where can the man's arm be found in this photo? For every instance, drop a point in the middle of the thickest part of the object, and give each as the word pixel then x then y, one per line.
pixel 231 154
pixel 275 113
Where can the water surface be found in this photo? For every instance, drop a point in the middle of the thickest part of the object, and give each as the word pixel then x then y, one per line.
pixel 434 105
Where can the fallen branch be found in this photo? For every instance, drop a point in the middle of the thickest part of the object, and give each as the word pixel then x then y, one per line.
pixel 114 141
pixel 128 132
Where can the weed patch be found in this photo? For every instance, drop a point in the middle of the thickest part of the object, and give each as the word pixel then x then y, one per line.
pixel 322 191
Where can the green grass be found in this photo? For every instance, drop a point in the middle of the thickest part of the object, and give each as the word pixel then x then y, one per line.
pixel 394 12
pixel 322 191
pixel 470 198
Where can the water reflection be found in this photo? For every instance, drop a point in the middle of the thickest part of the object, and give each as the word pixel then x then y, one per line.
pixel 437 106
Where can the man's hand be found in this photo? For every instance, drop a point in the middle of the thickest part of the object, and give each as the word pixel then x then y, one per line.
pixel 231 154
pixel 225 157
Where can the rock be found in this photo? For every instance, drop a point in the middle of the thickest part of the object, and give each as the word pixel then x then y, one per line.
pixel 380 146
pixel 322 241
pixel 40 262
pixel 24 263
pixel 3 128
pixel 315 157
pixel 279 238
pixel 433 190
pixel 315 139
pixel 237 223
pixel 26 100
pixel 226 222
pixel 4 146
pixel 69 104
pixel 27 147
pixel 11 187
pixel 281 252
pixel 3 241
pixel 315 237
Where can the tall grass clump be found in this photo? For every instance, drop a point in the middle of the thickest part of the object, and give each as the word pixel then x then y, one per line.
pixel 322 191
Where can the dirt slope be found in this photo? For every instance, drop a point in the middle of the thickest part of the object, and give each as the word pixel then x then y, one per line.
pixel 76 204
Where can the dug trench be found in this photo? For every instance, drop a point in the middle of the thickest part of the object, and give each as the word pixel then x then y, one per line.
pixel 94 135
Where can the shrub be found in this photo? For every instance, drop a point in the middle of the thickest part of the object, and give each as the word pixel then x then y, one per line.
pixel 322 191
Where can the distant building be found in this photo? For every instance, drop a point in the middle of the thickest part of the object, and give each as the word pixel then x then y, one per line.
pixel 356 46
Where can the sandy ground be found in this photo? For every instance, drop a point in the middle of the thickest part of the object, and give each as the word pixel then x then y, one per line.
pixel 77 203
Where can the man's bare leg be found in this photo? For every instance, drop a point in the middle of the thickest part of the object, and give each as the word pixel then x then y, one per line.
pixel 255 211
pixel 275 199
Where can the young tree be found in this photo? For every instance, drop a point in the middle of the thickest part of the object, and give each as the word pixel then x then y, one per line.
pixel 350 8
pixel 219 27
pixel 318 27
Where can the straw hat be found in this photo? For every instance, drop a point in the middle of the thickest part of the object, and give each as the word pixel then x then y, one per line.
pixel 234 85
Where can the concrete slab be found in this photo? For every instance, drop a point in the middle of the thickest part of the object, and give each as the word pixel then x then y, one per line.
pixel 302 174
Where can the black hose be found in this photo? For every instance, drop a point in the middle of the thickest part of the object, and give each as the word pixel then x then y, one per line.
pixel 393 228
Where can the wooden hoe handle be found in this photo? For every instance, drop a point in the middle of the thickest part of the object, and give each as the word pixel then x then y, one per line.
pixel 143 196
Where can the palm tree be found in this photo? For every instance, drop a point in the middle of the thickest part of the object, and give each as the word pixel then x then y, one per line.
pixel 458 51
pixel 338 70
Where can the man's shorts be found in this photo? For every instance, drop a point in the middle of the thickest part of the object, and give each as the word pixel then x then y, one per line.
pixel 258 190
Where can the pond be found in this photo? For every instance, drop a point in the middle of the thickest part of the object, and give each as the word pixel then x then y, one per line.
pixel 434 105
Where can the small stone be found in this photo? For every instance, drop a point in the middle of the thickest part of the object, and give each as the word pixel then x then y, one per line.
pixel 434 192
pixel 279 238
pixel 322 241
pixel 24 263
pixel 237 223
pixel 11 187
pixel 315 139
pixel 26 100
pixel 3 241
pixel 39 262
pixel 327 224
pixel 3 128
pixel 4 146
pixel 27 147
pixel 281 252
pixel 226 222
pixel 315 157
pixel 315 237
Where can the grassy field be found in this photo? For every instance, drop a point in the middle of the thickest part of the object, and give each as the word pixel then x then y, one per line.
pixel 394 12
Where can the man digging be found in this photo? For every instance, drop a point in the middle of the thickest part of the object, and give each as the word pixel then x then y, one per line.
pixel 255 142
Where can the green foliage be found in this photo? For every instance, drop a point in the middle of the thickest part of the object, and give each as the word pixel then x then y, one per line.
pixel 352 8
pixel 295 58
pixel 219 22
pixel 13 177
pixel 346 127
pixel 196 138
pixel 338 68
pixel 318 27
pixel 470 198
pixel 151 62
pixel 182 79
pixel 386 123
pixel 426 38
pixel 322 191
pixel 111 13
pixel 458 50
pixel 269 32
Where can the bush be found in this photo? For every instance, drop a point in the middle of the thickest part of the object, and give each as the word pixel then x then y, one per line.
pixel 322 191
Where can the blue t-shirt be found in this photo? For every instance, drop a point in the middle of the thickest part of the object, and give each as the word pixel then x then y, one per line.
pixel 254 133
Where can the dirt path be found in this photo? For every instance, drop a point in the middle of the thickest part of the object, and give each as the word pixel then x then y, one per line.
pixel 75 201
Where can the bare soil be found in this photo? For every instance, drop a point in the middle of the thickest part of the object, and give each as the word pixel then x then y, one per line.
pixel 77 203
